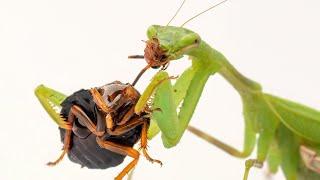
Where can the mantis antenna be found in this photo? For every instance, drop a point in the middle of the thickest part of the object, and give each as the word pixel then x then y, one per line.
pixel 203 12
pixel 176 12
pixel 141 56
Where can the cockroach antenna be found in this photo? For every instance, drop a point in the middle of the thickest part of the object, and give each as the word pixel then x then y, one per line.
pixel 176 12
pixel 216 5
pixel 140 74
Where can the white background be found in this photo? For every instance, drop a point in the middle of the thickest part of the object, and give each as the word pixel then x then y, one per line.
pixel 74 44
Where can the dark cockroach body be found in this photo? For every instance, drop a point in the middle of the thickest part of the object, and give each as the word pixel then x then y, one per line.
pixel 84 148
pixel 102 127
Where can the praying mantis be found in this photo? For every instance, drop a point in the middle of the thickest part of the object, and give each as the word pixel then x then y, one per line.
pixel 287 130
pixel 286 133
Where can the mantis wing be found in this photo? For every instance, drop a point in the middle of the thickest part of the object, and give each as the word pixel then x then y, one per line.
pixel 300 119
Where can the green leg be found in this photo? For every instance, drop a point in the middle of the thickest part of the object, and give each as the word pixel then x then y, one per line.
pixel 49 99
pixel 274 157
pixel 248 147
pixel 249 164
pixel 254 116
pixel 172 125
pixel 167 98
pixel 249 143
pixel 289 149
pixel 262 117
pixel 264 143
pixel 179 90
pixel 168 104
pixel 167 118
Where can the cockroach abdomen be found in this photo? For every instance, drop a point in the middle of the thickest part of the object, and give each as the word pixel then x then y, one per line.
pixel 84 149
pixel 88 153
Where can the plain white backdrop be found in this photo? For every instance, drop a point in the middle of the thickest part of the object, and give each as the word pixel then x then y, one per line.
pixel 74 44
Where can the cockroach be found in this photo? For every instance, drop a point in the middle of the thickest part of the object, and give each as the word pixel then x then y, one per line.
pixel 98 126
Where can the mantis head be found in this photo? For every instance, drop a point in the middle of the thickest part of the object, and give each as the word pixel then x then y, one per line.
pixel 167 43
pixel 164 44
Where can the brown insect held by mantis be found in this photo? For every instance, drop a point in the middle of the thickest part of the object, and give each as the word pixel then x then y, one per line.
pixel 98 126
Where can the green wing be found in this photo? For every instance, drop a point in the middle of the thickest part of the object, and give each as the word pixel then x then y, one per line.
pixel 300 119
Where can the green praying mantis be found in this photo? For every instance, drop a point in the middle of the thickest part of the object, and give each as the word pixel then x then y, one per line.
pixel 286 133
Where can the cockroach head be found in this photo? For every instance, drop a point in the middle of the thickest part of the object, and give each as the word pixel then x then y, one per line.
pixel 154 54
pixel 168 43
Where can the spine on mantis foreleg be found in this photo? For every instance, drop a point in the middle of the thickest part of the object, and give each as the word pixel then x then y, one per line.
pixel 49 99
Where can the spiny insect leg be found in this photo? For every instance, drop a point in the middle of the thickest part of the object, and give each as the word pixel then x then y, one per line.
pixel 124 150
pixel 119 130
pixel 85 120
pixel 144 143
pixel 67 140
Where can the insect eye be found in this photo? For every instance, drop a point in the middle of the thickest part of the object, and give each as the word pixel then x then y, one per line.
pixel 155 67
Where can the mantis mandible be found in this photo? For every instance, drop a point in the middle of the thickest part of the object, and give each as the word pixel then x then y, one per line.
pixel 286 133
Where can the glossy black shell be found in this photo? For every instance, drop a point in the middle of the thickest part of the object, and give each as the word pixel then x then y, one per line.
pixel 85 150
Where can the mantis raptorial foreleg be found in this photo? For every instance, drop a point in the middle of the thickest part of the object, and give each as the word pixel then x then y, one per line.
pixel 173 124
pixel 49 99
pixel 167 97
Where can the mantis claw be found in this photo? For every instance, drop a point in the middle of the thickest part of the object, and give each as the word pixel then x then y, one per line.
pixel 249 164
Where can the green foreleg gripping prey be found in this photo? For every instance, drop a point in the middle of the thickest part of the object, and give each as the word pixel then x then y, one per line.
pixel 268 119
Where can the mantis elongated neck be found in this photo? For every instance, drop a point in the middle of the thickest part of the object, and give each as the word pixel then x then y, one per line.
pixel 211 58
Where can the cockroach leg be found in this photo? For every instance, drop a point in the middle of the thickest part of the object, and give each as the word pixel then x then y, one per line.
pixel 85 120
pixel 117 102
pixel 97 98
pixel 109 121
pixel 119 130
pixel 67 140
pixel 165 66
pixel 310 158
pixel 144 143
pixel 123 150
pixel 127 116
